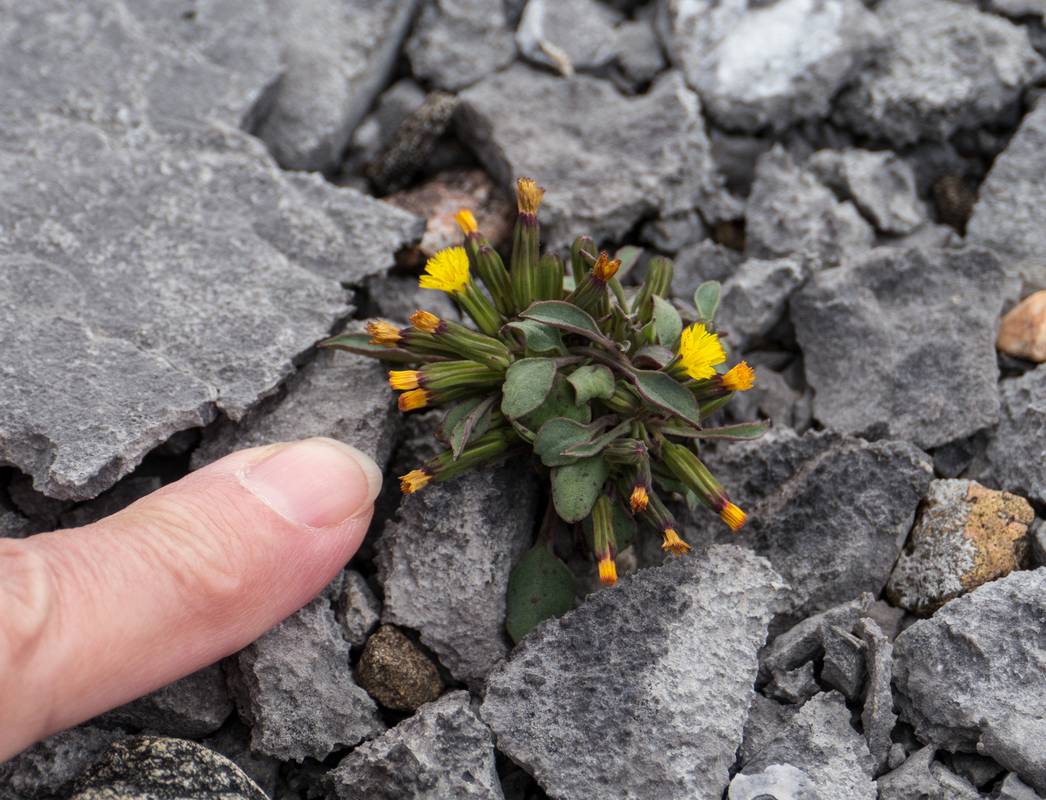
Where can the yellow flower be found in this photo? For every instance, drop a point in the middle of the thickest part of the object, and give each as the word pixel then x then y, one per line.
pixel 403 379
pixel 673 544
pixel 639 499
pixel 413 400
pixel 382 332
pixel 739 378
pixel 447 271
pixel 424 321
pixel 732 516
pixel 528 196
pixel 466 221
pixel 607 571
pixel 604 269
pixel 701 351
pixel 414 480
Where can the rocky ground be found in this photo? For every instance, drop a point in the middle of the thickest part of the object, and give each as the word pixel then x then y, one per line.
pixel 192 194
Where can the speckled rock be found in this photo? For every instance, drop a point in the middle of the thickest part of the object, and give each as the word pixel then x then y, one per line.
pixel 668 692
pixel 568 35
pixel 233 742
pixel 900 343
pixel 1022 332
pixel 443 751
pixel 1017 447
pixel 49 767
pixel 965 535
pixel 969 677
pixel 357 609
pixel 948 66
pixel 396 673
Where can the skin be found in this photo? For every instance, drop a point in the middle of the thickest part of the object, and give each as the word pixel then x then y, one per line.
pixel 93 617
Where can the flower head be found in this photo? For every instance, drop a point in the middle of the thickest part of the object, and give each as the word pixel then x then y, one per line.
pixel 700 351
pixel 414 480
pixel 382 332
pixel 413 399
pixel 673 544
pixel 424 321
pixel 466 221
pixel 605 268
pixel 732 516
pixel 640 498
pixel 739 378
pixel 528 196
pixel 403 379
pixel 447 271
pixel 607 571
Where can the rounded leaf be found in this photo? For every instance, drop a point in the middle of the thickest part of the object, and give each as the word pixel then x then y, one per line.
pixel 540 587
pixel 527 384
pixel 576 486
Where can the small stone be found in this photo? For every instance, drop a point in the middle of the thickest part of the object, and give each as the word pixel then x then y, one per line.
pixel 948 66
pixel 794 686
pixel 755 298
pixel 805 641
pixel 155 768
pixel 445 559
pixel 899 343
pixel 443 751
pixel 790 212
pixel 458 42
pixel 880 184
pixel 396 673
pixel 523 122
pixel 647 682
pixel 639 57
pixel 820 742
pixel 568 35
pixel 920 776
pixel 13 525
pixel 373 136
pixel 877 716
pixel 1017 446
pixel 844 661
pixel 48 768
pixel 759 65
pixel 191 707
pixel 776 782
pixel 357 609
pixel 966 535
pixel 1013 788
pixel 1022 332
pixel 962 675
pixel 294 687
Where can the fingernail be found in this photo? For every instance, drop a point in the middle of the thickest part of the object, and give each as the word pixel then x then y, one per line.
pixel 316 482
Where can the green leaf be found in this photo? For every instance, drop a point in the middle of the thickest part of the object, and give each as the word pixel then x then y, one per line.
pixel 654 356
pixel 567 317
pixel 359 343
pixel 540 587
pixel 559 434
pixel 575 487
pixel 598 444
pixel 628 256
pixel 474 422
pixel 539 338
pixel 706 301
pixel 743 431
pixel 455 414
pixel 667 322
pixel 591 381
pixel 559 403
pixel 664 392
pixel 527 384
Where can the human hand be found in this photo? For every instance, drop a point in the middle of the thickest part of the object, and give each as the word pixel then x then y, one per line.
pixel 93 617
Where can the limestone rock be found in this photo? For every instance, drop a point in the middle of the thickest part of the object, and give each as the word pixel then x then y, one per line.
pixel 899 344
pixel 921 776
pixel 1018 445
pixel 1022 332
pixel 966 535
pixel 639 57
pixel 777 782
pixel 794 686
pixel 568 35
pixel 844 661
pixel 396 673
pixel 805 640
pixel 755 298
pixel 668 692
pixel 877 716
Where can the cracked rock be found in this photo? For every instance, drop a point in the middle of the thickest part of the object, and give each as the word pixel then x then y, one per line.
pixel 776 782
pixel 49 767
pixel 805 640
pixel 900 343
pixel 790 212
pixel 668 692
pixel 842 503
pixel 444 562
pixel 920 776
pixel 568 35
pixel 755 298
pixel 759 65
pixel 396 673
pixel 524 122
pixel 443 751
pixel 948 66
pixel 877 716
pixel 1017 446
pixel 965 676
pixel 794 686
pixel 965 536
pixel 844 658
pixel 357 609
pixel 294 687
pixel 1013 788
pixel 766 719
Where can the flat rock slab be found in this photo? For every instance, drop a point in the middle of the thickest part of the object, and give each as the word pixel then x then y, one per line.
pixel 970 677
pixel 901 343
pixel 443 751
pixel 444 562
pixel 605 160
pixel 661 666
pixel 1017 447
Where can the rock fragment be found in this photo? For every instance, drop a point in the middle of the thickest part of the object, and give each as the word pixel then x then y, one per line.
pixel 639 57
pixel 1017 447
pixel 48 768
pixel 1022 332
pixel 776 781
pixel 357 609
pixel 755 297
pixel 921 776
pixel 766 719
pixel 805 641
pixel 396 673
pixel 844 661
pixel 568 35
pixel 1013 788
pixel 794 686
pixel 670 692
pixel 899 343
pixel 877 716
pixel 443 751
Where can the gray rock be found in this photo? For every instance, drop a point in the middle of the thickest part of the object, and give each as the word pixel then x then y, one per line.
pixel 337 394
pixel 880 184
pixel 1018 8
pixel 948 66
pixel 457 42
pixel 673 232
pixel 790 212
pixel 776 782
pixel 443 751
pixel 639 56
pixel 794 686
pixel 568 35
pixel 920 776
pixel 962 676
pixel 668 693
pixel 1037 534
pixel 375 132
pixel 155 768
pixel 900 344
pixel 1013 788
pixel 978 770
pixel 396 297
pixel 820 742
pixel 766 719
pixel 844 661
pixel 190 707
pixel 233 742
pixel 700 262
pixel 772 397
pixel 412 146
pixel 445 559
pixel 523 122
pixel 805 641
pixel 357 609
pixel 838 502
pixel 49 767
pixel 294 687
pixel 877 716
pixel 755 298
pixel 759 65
pixel 13 525
pixel 886 617
pixel 1017 446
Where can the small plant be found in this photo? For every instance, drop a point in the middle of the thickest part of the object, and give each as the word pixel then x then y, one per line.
pixel 605 385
